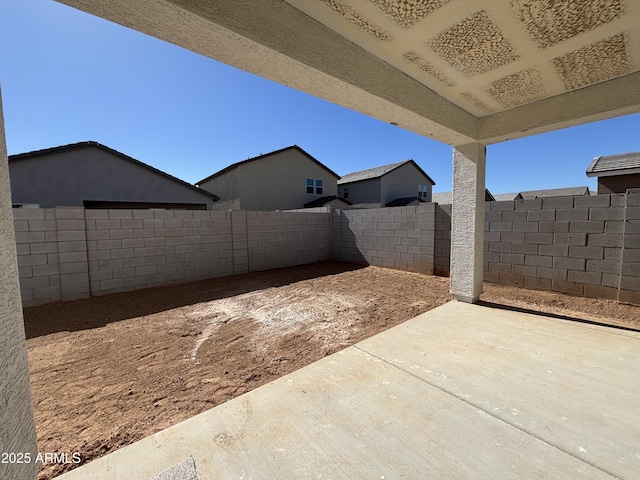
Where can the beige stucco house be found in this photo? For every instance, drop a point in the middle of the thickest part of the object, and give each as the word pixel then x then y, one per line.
pixel 396 184
pixel 284 179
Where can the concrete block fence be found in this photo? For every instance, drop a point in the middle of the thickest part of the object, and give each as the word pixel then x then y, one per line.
pixel 442 241
pixel 578 245
pixel 69 253
pixel 401 237
pixel 587 246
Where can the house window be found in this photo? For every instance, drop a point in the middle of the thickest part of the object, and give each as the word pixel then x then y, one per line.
pixel 309 185
pixel 345 192
pixel 422 191
pixel 318 186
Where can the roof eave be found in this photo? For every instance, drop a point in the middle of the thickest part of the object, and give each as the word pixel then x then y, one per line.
pixel 252 159
pixel 612 173
pixel 398 165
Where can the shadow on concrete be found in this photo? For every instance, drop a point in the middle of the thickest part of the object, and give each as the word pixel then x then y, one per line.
pixel 556 316
pixel 95 312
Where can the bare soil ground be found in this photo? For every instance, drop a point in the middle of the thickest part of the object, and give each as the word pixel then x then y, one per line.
pixel 107 371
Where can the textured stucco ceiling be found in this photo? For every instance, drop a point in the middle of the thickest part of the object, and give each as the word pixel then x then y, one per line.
pixel 491 56
pixel 457 71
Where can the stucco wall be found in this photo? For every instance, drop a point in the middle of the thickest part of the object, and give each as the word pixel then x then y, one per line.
pixel 278 182
pixel 618 183
pixel 17 429
pixel 403 182
pixel 365 191
pixel 69 177
pixel 226 187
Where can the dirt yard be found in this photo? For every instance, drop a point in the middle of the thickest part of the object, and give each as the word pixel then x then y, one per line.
pixel 108 371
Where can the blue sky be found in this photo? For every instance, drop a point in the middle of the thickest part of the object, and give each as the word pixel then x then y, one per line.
pixel 68 77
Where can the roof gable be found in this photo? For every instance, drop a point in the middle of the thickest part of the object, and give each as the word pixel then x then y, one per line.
pixel 378 172
pixel 111 151
pixel 553 192
pixel 620 164
pixel 264 155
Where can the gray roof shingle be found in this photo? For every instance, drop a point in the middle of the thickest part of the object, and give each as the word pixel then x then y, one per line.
pixel 377 172
pixel 617 164
pixel 505 197
pixel 369 173
pixel 553 192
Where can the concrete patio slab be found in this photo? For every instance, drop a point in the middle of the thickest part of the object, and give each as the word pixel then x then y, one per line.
pixel 570 384
pixel 462 391
pixel 185 470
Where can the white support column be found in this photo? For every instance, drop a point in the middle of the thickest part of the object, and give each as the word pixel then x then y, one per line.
pixel 467 221
pixel 17 428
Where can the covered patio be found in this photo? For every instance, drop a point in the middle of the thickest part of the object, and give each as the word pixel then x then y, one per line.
pixel 462 391
pixel 466 73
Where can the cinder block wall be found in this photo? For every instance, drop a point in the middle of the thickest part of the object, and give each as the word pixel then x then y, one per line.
pixel 52 254
pixel 630 267
pixel 579 245
pixel 442 240
pixel 129 249
pixel 279 239
pixel 401 237
pixel 67 253
pixel 564 244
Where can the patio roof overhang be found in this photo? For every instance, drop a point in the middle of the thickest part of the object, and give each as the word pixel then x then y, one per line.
pixel 457 71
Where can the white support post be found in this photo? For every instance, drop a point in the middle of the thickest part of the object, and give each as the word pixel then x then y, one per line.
pixel 467 221
pixel 17 428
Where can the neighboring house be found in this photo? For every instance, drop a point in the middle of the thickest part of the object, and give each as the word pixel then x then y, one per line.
pixel 281 180
pixel 553 192
pixel 402 183
pixel 616 173
pixel 95 176
pixel 445 198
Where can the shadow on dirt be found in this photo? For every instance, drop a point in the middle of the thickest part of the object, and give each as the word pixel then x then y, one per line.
pixel 555 315
pixel 96 312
